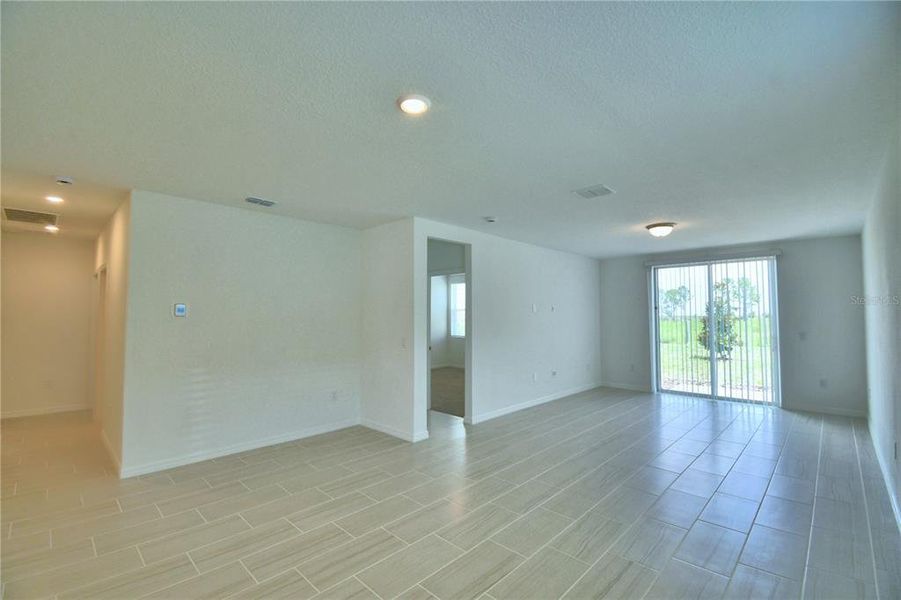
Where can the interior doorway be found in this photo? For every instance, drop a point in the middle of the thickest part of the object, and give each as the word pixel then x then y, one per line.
pixel 448 324
pixel 716 329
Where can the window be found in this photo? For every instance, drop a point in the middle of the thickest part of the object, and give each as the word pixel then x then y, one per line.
pixel 457 305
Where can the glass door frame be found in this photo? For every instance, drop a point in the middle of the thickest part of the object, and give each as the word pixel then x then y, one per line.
pixel 654 266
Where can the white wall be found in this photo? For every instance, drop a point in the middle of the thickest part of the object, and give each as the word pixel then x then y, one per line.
pixel 882 290
pixel 821 329
pixel 447 350
pixel 447 258
pixel 387 403
pixel 625 346
pixel 456 345
pixel 438 330
pixel 270 349
pixel 508 342
pixel 46 323
pixel 112 254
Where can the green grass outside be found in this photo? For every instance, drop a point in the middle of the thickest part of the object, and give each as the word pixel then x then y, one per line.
pixel 683 359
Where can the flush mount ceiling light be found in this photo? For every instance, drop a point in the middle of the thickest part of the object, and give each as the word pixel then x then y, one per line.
pixel 660 229
pixel 64 180
pixel 51 228
pixel 260 201
pixel 414 104
pixel 490 219
pixel 54 199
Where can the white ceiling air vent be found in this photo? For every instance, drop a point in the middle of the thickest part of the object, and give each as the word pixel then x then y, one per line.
pixel 259 201
pixel 30 217
pixel 594 191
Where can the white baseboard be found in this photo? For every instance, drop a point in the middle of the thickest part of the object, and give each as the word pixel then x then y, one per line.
pixel 46 410
pixel 112 454
pixel 530 403
pixel 825 410
pixel 186 459
pixel 421 435
pixel 627 386
pixel 404 435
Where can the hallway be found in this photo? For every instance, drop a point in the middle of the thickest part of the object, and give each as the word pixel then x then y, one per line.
pixel 448 390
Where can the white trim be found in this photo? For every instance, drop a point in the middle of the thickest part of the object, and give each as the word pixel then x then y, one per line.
pixel 392 431
pixel 47 410
pixel 530 403
pixel 112 454
pixel 186 459
pixel 825 410
pixel 627 386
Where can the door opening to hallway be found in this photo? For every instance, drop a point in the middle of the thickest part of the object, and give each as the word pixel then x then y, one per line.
pixel 448 323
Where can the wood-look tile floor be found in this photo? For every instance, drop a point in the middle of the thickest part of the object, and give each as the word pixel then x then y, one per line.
pixel 607 494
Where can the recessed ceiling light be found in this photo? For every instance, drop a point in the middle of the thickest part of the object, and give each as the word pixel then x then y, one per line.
pixel 54 199
pixel 414 104
pixel 51 228
pixel 660 229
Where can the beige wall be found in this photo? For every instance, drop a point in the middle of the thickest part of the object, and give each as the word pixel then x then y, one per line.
pixel 46 323
pixel 112 254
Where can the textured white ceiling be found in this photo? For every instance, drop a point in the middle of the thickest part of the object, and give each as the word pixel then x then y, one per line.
pixel 86 208
pixel 742 121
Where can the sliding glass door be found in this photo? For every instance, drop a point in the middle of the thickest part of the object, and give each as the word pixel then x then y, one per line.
pixel 716 330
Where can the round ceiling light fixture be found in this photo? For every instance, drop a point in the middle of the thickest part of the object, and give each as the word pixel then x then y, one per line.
pixel 54 199
pixel 51 228
pixel 414 104
pixel 660 229
pixel 64 180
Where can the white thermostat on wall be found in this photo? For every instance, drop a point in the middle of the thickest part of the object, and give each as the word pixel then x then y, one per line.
pixel 181 310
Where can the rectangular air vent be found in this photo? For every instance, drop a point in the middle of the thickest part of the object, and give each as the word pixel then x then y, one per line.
pixel 259 201
pixel 19 215
pixel 594 191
